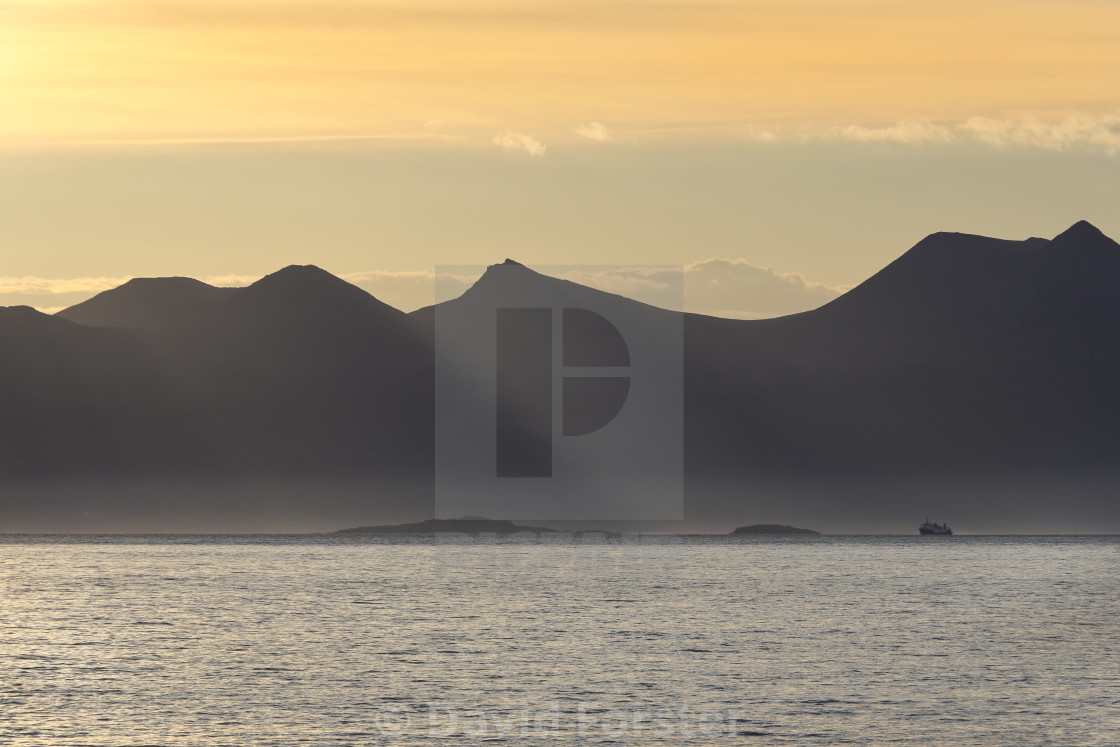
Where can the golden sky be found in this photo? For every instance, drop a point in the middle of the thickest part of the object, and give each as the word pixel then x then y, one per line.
pixel 806 142
pixel 464 70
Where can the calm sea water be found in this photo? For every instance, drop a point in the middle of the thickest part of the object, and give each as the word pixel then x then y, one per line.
pixel 148 640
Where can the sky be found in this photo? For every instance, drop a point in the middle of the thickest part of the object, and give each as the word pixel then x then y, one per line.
pixel 781 151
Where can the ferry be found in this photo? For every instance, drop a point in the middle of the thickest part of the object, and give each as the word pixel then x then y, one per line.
pixel 934 528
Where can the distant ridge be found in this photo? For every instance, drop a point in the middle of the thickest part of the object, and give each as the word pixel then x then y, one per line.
pixel 950 279
pixel 147 303
pixel 472 525
pixel 302 374
pixel 303 307
pixel 967 358
pixel 303 291
pixel 772 529
pixel 1083 232
pixel 964 375
pixel 86 403
pixel 517 284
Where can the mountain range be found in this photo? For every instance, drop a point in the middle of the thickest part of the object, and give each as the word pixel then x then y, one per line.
pixel 972 378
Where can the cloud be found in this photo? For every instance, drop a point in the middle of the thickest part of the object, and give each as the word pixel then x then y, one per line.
pixel 231 281
pixel 654 285
pixel 685 68
pixel 1057 132
pixel 594 131
pixel 511 140
pixel 406 291
pixel 1072 131
pixel 50 295
pixel 409 291
pixel 720 287
pixel 34 286
pixel 736 287
pixel 907 131
pixel 402 290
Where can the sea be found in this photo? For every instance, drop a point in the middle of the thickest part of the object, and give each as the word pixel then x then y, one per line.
pixel 569 639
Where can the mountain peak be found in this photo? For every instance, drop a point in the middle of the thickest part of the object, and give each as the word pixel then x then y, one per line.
pixel 300 279
pixel 1084 235
pixel 1080 231
pixel 21 311
pixel 301 271
pixel 29 322
pixel 508 273
pixel 302 292
pixel 147 303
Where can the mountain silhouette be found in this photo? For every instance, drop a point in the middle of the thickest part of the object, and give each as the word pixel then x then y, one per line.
pixel 85 403
pixel 147 303
pixel 967 355
pixel 299 395
pixel 303 298
pixel 970 372
pixel 305 375
pixel 947 280
pixel 517 284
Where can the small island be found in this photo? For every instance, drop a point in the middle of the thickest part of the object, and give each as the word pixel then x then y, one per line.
pixel 772 529
pixel 465 525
